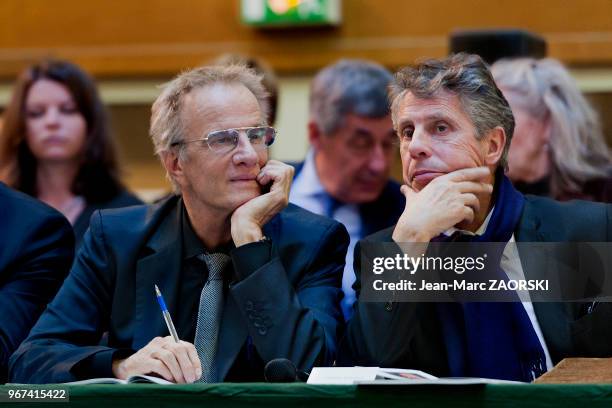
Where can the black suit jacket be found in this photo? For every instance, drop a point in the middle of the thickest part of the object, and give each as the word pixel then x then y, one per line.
pixel 123 199
pixel 409 335
pixel 287 308
pixel 36 251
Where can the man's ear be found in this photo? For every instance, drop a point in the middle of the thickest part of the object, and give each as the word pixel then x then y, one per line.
pixel 173 165
pixel 314 134
pixel 495 142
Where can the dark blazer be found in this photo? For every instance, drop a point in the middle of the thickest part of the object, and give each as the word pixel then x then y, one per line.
pixel 36 251
pixel 287 308
pixel 409 335
pixel 381 213
pixel 123 199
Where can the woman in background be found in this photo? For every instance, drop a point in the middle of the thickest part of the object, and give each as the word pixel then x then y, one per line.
pixel 55 144
pixel 558 148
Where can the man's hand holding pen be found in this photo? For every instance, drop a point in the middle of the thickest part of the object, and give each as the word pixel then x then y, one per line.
pixel 167 357
pixel 163 357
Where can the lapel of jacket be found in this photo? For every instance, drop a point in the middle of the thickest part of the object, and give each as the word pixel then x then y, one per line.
pixel 233 332
pixel 528 231
pixel 159 266
pixel 552 316
pixel 232 336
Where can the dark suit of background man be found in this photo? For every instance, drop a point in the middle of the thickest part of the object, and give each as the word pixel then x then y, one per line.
pixel 346 172
pixel 455 129
pixel 242 277
pixel 36 250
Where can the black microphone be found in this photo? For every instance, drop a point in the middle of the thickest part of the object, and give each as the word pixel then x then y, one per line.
pixel 281 370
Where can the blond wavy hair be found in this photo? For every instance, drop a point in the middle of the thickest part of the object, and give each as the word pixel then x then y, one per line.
pixel 547 91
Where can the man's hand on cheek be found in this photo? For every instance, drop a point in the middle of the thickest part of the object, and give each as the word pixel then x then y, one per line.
pixel 443 203
pixel 248 219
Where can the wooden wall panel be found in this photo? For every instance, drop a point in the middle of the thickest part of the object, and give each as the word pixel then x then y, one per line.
pixel 160 37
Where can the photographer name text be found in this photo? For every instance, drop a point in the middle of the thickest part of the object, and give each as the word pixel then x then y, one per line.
pixel 493 285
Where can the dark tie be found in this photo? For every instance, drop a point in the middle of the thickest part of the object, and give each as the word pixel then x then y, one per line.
pixel 330 205
pixel 209 315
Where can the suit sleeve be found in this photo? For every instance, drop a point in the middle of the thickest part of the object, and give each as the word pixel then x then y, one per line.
pixel 75 319
pixel 300 322
pixel 386 334
pixel 44 256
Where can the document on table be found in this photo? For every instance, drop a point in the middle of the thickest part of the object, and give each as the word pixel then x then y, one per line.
pixel 388 376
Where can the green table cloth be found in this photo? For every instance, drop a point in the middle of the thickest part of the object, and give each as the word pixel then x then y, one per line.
pixel 322 396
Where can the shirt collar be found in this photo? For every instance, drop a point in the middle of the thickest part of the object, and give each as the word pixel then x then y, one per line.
pixel 309 179
pixel 192 245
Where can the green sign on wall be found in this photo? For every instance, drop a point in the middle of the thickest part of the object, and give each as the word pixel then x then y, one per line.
pixel 287 13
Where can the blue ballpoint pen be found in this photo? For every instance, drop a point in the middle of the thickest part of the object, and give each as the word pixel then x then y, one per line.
pixel 166 314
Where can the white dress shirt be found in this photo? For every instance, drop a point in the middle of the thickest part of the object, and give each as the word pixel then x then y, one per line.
pixel 308 192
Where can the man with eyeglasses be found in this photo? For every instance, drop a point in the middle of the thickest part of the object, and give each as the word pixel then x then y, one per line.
pixel 243 280
pixel 345 175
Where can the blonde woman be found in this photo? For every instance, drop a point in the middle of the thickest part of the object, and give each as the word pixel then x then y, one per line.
pixel 558 147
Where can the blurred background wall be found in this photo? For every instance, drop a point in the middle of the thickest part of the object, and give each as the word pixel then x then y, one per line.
pixel 131 46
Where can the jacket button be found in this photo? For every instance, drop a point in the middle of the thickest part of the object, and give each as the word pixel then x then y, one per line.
pixel 389 306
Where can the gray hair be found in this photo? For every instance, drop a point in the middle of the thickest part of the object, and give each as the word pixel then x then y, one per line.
pixel 466 76
pixel 269 79
pixel 348 86
pixel 546 90
pixel 167 127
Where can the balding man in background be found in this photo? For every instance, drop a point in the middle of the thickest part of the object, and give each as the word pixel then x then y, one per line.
pixel 345 175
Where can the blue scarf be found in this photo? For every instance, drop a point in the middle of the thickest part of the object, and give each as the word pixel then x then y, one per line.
pixel 493 339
